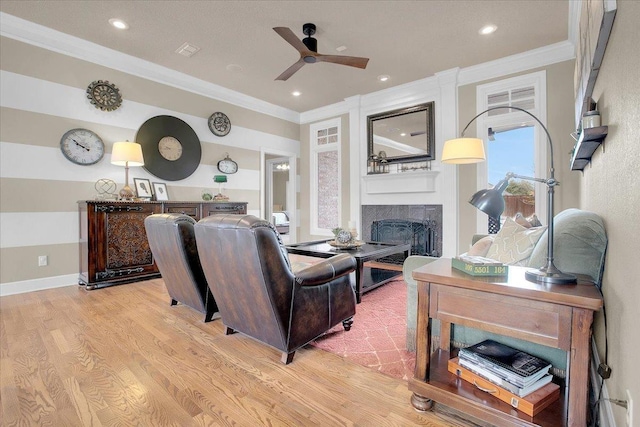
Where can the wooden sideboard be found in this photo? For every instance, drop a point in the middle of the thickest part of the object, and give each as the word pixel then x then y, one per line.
pixel 113 242
pixel 557 316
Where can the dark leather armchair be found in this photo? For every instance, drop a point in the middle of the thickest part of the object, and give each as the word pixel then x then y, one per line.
pixel 248 271
pixel 173 245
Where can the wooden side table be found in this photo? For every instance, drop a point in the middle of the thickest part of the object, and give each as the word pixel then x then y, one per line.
pixel 553 315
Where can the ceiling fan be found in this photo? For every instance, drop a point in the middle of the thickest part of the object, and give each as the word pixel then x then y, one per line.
pixel 308 48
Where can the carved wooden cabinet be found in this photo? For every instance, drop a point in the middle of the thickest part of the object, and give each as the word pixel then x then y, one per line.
pixel 113 241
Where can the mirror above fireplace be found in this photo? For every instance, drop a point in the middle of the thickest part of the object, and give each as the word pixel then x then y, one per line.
pixel 403 135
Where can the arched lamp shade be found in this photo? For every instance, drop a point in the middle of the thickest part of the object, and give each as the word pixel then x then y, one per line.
pixel 463 151
pixel 491 201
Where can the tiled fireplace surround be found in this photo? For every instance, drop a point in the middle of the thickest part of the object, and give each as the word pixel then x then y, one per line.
pixel 431 215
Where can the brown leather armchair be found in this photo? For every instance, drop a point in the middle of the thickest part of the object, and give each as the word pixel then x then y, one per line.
pixel 248 271
pixel 173 245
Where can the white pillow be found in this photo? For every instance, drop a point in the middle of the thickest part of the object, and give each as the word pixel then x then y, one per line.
pixel 481 247
pixel 514 243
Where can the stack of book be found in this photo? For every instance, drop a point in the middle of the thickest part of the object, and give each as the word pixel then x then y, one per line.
pixel 514 376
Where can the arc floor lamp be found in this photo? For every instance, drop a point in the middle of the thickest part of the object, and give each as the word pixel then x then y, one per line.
pixel 471 150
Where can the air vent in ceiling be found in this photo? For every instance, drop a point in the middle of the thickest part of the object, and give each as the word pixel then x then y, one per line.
pixel 187 50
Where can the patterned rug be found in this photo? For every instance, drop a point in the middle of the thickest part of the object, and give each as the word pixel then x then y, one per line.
pixel 377 337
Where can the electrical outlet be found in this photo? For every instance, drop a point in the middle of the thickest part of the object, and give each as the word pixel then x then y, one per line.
pixel 43 260
pixel 629 410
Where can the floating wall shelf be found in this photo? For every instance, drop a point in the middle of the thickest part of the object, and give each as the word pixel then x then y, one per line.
pixel 589 140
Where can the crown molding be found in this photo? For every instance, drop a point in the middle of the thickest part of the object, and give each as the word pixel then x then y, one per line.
pixel 547 55
pixel 47 38
pixel 332 110
pixel 56 41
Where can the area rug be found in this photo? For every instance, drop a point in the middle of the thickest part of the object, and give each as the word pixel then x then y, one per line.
pixel 378 335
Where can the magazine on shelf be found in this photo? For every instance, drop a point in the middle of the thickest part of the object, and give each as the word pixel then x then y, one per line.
pixel 531 404
pixel 505 374
pixel 502 382
pixel 522 368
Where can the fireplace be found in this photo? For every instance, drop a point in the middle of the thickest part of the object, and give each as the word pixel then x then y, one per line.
pixel 419 225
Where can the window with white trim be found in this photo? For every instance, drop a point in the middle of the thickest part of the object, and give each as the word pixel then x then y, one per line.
pixel 514 141
pixel 325 176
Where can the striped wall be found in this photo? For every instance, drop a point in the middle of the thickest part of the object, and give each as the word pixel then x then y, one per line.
pixel 42 95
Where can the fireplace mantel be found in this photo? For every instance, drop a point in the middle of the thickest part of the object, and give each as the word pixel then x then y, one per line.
pixel 405 182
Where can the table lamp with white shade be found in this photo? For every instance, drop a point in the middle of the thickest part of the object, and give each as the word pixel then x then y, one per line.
pixel 126 154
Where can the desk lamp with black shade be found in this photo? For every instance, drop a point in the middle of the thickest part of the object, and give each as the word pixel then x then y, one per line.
pixel 471 150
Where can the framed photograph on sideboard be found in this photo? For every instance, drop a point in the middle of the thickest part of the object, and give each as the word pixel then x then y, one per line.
pixel 160 190
pixel 143 188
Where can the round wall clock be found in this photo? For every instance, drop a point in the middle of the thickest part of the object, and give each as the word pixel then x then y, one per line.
pixel 227 165
pixel 170 147
pixel 82 146
pixel 104 95
pixel 219 124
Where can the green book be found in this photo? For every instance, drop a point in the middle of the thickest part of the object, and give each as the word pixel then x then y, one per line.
pixel 479 266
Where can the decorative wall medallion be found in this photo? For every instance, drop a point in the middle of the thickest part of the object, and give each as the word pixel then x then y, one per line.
pixel 219 124
pixel 104 95
pixel 170 147
pixel 82 147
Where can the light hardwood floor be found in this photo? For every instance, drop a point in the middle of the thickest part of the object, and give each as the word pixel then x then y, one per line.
pixel 121 356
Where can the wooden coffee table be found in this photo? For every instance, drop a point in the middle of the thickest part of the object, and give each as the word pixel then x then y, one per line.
pixel 367 278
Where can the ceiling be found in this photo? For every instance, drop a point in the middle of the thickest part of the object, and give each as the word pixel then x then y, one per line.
pixel 407 40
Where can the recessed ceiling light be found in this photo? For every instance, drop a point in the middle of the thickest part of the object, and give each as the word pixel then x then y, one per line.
pixel 296 93
pixel 403 134
pixel 118 23
pixel 383 77
pixel 488 29
pixel 234 68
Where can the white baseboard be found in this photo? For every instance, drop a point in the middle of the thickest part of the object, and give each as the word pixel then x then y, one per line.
pixel 606 411
pixel 21 287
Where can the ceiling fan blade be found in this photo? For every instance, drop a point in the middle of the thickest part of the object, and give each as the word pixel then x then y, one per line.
pixel 292 39
pixel 352 61
pixel 291 70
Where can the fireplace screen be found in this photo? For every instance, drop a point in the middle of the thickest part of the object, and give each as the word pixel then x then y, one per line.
pixel 420 234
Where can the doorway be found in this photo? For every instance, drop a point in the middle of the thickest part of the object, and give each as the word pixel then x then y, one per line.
pixel 278 192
